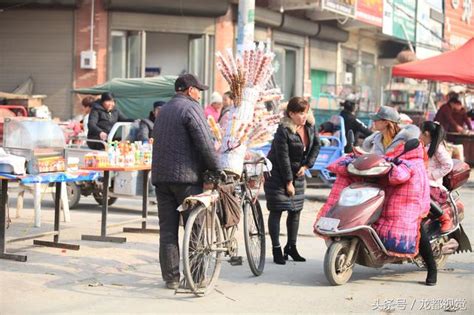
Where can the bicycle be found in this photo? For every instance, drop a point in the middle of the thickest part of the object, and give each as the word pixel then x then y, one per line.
pixel 206 240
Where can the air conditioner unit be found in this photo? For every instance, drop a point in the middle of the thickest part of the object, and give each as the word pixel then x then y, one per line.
pixel 88 59
pixel 348 78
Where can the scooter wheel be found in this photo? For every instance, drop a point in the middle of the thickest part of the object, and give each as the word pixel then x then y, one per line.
pixel 99 199
pixel 336 267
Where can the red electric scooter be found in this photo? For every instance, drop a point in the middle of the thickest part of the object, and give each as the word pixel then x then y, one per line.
pixel 347 226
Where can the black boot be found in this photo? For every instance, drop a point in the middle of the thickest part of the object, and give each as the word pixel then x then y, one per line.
pixel 278 256
pixel 293 253
pixel 427 254
pixel 432 276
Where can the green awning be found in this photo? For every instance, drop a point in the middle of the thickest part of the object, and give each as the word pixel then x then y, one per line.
pixel 135 97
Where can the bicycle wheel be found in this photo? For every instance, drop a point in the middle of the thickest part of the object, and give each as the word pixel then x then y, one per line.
pixel 202 251
pixel 254 235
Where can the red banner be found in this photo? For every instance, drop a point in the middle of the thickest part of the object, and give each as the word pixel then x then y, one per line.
pixel 370 11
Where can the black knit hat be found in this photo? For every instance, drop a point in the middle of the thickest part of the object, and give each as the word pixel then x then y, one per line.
pixel 107 96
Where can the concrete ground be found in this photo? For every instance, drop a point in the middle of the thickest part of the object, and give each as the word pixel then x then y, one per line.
pixel 125 278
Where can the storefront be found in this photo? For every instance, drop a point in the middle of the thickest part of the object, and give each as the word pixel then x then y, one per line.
pixel 305 51
pixel 162 41
pixel 359 68
pixel 323 61
pixel 39 44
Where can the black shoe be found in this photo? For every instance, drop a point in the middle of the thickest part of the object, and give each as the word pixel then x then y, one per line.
pixel 293 253
pixel 172 285
pixel 278 256
pixel 431 278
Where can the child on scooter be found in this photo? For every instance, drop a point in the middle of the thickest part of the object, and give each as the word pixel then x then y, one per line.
pixel 440 164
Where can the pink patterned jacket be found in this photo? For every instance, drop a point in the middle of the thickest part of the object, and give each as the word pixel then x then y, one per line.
pixel 407 200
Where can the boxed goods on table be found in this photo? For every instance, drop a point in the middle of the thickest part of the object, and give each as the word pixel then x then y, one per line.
pixel 121 154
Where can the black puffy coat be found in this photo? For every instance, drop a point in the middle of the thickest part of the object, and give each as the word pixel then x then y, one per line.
pixel 182 147
pixel 287 155
pixel 101 120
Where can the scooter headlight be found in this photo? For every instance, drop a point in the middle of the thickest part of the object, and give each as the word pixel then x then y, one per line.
pixel 351 197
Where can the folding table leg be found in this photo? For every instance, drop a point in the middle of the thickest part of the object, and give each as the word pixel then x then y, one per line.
pixel 3 208
pixel 105 210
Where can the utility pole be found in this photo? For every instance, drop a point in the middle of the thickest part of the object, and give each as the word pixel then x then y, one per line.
pixel 246 24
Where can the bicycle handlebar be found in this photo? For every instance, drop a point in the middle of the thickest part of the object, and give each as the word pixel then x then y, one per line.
pixel 214 177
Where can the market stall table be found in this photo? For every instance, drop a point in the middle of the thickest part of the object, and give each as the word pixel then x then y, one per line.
pixel 105 206
pixel 467 140
pixel 57 178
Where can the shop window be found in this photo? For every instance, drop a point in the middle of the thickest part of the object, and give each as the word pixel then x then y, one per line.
pixel 118 56
pixel 147 54
pixel 126 54
pixel 287 70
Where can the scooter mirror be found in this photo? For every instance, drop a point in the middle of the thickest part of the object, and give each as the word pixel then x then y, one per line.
pixel 350 137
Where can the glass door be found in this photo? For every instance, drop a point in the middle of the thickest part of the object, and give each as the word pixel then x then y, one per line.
pixel 201 61
pixel 285 70
pixel 118 55
pixel 135 54
pixel 127 55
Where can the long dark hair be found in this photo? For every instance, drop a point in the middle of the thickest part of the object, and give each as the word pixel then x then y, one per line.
pixel 437 134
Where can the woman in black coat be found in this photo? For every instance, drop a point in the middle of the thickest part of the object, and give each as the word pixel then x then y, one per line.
pixel 294 150
pixel 102 118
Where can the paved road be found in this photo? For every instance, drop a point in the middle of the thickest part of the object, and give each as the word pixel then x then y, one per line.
pixel 125 278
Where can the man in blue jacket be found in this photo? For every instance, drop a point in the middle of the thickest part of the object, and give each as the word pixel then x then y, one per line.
pixel 182 151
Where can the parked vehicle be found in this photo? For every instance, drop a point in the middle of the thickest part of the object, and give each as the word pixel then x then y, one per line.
pixel 347 226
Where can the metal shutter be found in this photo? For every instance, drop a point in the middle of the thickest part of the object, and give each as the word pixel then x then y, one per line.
pixel 39 44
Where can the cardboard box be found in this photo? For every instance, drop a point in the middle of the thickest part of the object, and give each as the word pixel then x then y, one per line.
pixel 24 100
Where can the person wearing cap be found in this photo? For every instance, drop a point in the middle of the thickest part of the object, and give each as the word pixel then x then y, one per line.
pixel 182 150
pixel 388 133
pixel 146 125
pixel 453 116
pixel 214 109
pixel 102 118
pixel 351 122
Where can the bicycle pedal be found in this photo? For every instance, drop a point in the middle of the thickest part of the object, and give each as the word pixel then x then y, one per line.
pixel 236 261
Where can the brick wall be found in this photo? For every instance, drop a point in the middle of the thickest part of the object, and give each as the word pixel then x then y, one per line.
pixel 83 77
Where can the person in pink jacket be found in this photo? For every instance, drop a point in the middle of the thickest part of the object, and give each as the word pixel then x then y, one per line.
pixel 440 164
pixel 407 192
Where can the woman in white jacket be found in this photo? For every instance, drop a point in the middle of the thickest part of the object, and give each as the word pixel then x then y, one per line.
pixel 440 164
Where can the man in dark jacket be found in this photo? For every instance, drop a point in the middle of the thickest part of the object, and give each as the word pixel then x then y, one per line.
pixel 102 118
pixel 352 123
pixel 145 127
pixel 182 151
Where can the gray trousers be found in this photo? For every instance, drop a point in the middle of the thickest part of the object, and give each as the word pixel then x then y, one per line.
pixel 170 197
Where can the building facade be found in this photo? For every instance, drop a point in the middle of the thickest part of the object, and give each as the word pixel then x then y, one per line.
pixel 323 49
